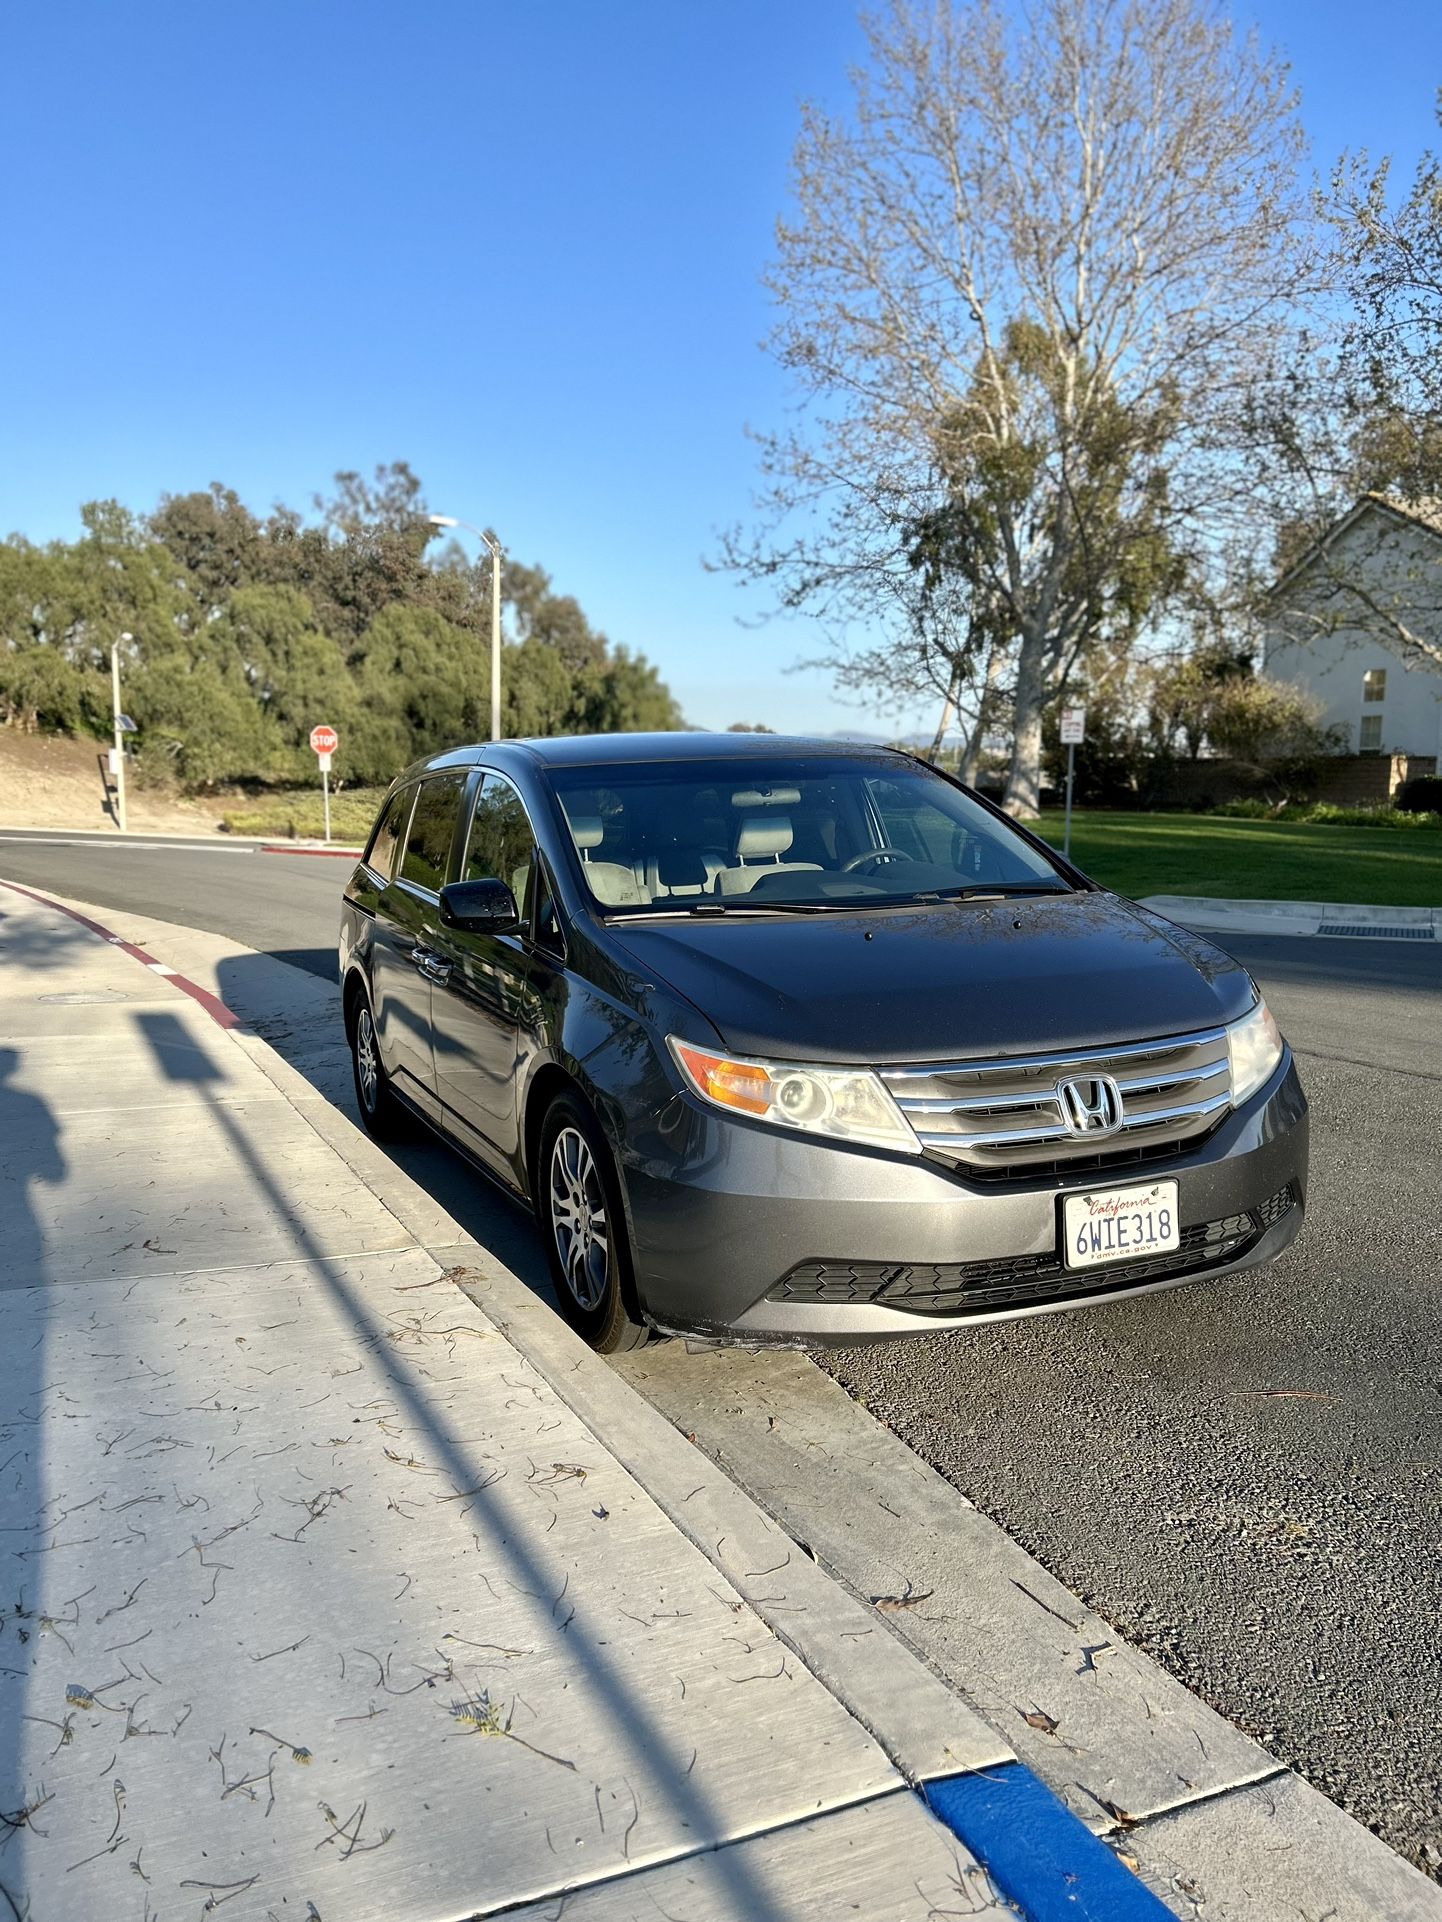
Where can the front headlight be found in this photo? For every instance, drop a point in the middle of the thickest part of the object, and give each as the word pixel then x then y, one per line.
pixel 1254 1047
pixel 846 1104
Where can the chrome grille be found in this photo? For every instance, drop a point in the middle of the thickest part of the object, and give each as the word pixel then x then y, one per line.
pixel 1005 1117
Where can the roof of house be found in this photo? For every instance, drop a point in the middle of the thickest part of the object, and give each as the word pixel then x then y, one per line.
pixel 1424 511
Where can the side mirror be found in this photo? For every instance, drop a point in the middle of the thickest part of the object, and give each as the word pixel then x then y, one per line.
pixel 480 907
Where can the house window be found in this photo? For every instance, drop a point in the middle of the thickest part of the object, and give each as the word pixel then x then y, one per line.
pixel 1370 741
pixel 1374 684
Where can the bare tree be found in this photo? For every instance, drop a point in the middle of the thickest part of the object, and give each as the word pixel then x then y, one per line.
pixel 1023 285
pixel 1354 440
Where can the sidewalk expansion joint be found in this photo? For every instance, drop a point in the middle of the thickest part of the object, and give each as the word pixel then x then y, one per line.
pixel 1199 1798
pixel 610 1878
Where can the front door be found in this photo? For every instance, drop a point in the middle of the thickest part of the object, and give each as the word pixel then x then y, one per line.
pixel 491 1000
pixel 403 964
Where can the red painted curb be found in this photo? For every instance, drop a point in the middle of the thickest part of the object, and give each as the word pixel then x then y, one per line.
pixel 331 854
pixel 223 1016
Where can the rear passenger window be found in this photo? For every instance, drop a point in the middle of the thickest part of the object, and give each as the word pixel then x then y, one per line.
pixel 501 842
pixel 433 827
pixel 380 854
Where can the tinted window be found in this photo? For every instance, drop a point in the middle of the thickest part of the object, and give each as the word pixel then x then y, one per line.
pixel 385 835
pixel 428 845
pixel 501 842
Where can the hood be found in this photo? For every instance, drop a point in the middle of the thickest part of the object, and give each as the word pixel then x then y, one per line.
pixel 944 981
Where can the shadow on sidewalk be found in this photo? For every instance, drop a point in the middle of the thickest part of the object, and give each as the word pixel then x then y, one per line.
pixel 247 983
pixel 29 1152
pixel 586 1635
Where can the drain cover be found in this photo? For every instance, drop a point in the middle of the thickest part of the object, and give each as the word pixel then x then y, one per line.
pixel 80 1000
pixel 1366 928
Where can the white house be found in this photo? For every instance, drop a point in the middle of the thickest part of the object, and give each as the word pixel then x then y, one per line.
pixel 1357 622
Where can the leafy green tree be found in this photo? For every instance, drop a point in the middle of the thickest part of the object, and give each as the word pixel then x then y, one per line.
pixel 537 692
pixel 217 544
pixel 247 631
pixel 419 685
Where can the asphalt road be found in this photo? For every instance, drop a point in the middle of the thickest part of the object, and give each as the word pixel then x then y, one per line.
pixel 1245 1479
pixel 282 904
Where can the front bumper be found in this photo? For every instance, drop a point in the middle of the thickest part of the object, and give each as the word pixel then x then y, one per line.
pixel 738 1229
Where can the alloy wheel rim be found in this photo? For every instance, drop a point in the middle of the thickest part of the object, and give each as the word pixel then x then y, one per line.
pixel 578 1218
pixel 365 1054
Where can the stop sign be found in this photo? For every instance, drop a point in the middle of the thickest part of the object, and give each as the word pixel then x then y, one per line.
pixel 324 740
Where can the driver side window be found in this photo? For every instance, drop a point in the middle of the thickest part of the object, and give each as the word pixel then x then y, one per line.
pixel 500 845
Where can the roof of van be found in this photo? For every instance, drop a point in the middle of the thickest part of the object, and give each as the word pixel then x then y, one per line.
pixel 610 750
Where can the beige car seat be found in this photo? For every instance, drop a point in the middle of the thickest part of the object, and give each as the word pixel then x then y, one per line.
pixel 761 840
pixel 613 883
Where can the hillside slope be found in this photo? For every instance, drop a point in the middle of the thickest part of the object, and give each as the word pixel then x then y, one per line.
pixel 49 780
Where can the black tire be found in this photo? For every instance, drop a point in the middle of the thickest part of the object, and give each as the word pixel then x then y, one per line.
pixel 577 1193
pixel 383 1115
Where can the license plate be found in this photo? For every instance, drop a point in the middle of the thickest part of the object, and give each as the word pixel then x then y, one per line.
pixel 1120 1224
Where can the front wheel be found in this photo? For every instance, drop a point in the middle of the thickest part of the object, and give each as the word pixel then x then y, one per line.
pixel 579 1203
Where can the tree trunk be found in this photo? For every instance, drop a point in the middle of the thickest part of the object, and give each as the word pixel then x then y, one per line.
pixel 1023 781
pixel 985 716
pixel 948 710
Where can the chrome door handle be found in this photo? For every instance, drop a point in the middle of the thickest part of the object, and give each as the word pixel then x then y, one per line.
pixel 432 966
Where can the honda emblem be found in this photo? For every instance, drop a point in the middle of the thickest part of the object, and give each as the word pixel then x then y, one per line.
pixel 1090 1105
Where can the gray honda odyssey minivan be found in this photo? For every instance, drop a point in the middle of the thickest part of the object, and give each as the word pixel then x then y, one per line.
pixel 792 1041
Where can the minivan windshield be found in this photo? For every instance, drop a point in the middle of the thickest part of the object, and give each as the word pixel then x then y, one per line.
pixel 798 833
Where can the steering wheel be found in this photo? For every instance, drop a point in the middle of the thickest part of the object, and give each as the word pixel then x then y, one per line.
pixel 873 854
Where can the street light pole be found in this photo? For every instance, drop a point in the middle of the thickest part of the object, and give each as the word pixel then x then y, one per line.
pixel 489 541
pixel 119 733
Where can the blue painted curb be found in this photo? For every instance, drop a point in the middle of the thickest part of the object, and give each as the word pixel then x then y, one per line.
pixel 1037 1852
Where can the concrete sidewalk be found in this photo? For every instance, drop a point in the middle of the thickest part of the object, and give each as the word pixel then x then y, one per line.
pixel 318 1600
pixel 1334 919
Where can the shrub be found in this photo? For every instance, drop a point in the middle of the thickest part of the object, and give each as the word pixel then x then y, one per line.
pixel 1326 814
pixel 1249 808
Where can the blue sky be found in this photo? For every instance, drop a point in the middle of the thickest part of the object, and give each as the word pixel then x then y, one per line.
pixel 518 245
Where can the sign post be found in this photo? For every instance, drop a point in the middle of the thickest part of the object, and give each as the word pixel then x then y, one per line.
pixel 1073 731
pixel 324 742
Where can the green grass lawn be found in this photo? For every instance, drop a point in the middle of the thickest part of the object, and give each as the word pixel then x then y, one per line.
pixel 297 814
pixel 1255 860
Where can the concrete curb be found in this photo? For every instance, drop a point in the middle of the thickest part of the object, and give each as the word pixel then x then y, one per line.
pixel 1335 919
pixel 1258 1842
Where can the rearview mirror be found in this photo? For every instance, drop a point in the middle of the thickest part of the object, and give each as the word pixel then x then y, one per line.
pixel 480 907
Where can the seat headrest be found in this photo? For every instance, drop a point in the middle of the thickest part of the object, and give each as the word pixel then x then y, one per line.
pixel 682 868
pixel 586 830
pixel 763 834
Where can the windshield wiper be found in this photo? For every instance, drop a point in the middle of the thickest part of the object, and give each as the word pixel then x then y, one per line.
pixel 997 891
pixel 714 909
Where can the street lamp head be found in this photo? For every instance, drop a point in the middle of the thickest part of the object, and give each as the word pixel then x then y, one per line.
pixel 442 520
pixel 127 637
